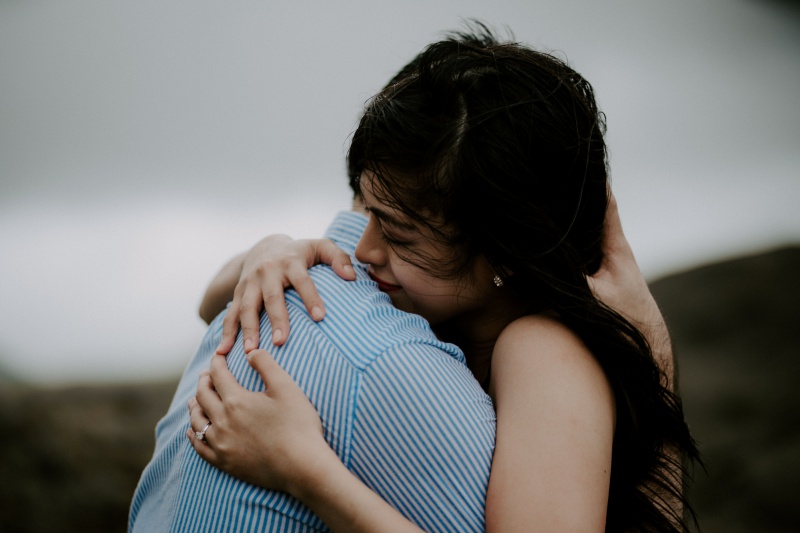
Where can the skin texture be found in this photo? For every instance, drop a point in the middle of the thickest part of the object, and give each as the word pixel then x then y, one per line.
pixel 619 283
pixel 549 393
pixel 551 396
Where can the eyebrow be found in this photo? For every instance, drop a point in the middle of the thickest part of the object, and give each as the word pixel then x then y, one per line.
pixel 386 218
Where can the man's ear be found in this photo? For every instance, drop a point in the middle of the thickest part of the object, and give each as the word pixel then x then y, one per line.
pixel 358 203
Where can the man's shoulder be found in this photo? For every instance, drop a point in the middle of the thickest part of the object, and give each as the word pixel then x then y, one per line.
pixel 345 230
pixel 361 320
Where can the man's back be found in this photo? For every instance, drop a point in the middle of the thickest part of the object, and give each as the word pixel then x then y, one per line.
pixel 399 407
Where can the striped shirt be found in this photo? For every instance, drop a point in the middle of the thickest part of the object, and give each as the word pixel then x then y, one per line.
pixel 398 406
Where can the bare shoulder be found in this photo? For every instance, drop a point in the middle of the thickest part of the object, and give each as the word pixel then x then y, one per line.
pixel 553 397
pixel 537 331
pixel 541 341
pixel 537 358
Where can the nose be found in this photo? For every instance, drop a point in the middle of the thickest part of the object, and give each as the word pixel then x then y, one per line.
pixel 371 249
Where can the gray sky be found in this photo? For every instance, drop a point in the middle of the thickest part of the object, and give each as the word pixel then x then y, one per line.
pixel 143 143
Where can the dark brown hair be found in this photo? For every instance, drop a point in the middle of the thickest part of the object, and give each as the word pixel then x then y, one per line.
pixel 503 145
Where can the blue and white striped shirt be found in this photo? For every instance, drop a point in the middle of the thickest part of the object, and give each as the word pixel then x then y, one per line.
pixel 397 405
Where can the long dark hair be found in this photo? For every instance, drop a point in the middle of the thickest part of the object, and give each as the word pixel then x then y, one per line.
pixel 505 145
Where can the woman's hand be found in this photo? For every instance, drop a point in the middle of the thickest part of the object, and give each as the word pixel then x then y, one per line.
pixel 619 284
pixel 272 439
pixel 269 268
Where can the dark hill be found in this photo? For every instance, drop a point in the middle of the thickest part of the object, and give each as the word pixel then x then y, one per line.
pixel 70 457
pixel 734 327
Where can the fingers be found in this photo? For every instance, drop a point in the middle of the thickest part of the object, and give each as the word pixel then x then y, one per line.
pixel 249 319
pixel 327 252
pixel 198 422
pixel 208 401
pixel 203 449
pixel 344 269
pixel 230 326
pixel 270 371
pixel 308 293
pixel 278 315
pixel 197 417
pixel 222 380
pixel 324 251
pixel 274 265
pixel 272 282
pixel 295 274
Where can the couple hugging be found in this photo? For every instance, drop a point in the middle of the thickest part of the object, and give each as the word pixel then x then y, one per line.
pixel 478 350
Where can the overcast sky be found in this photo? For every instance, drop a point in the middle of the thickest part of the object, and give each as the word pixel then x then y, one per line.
pixel 144 143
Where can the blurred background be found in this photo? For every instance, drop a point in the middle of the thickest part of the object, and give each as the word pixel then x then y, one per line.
pixel 144 143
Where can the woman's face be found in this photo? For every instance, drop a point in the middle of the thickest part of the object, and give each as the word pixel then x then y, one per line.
pixel 390 244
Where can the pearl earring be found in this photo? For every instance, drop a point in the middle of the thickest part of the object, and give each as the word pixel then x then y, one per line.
pixel 498 281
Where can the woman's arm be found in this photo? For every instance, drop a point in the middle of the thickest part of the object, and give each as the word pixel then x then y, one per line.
pixel 220 290
pixel 293 455
pixel 555 427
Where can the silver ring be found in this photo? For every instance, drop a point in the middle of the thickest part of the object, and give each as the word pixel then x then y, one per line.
pixel 201 435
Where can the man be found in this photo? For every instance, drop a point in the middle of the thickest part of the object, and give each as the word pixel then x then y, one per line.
pixel 400 409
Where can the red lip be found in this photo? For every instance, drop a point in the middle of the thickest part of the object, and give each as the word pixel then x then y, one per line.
pixel 384 285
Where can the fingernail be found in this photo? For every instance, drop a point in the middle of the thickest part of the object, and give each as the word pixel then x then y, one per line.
pixel 317 313
pixel 349 270
pixel 277 335
pixel 248 345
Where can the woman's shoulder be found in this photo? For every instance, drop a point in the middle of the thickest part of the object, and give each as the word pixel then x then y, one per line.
pixel 539 335
pixel 550 396
pixel 540 348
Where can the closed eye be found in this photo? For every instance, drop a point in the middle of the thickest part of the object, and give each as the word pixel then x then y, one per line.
pixel 392 241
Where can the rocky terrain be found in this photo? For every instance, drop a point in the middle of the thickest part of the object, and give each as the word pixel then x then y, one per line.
pixel 70 457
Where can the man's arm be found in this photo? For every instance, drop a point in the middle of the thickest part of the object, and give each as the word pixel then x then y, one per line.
pixel 619 284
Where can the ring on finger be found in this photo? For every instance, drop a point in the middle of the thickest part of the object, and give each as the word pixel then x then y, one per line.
pixel 201 435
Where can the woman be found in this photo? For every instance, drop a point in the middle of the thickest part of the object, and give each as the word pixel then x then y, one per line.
pixel 483 171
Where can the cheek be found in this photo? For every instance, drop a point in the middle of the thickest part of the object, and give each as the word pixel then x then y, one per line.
pixel 419 284
pixel 434 299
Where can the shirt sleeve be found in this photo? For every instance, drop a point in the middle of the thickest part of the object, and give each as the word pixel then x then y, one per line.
pixel 424 436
